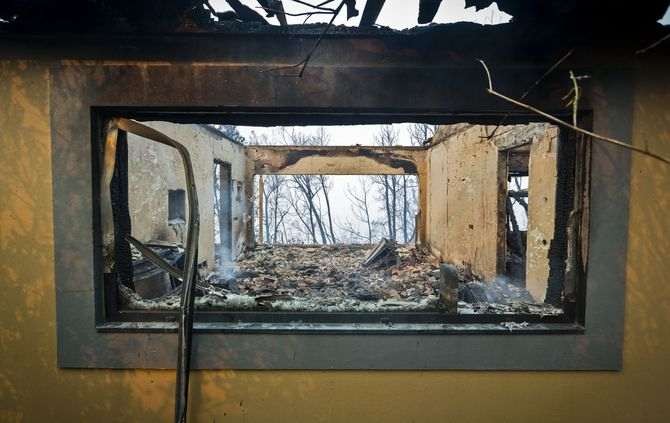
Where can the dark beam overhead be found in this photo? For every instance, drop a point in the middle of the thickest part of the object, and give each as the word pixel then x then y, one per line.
pixel 371 12
pixel 279 7
pixel 428 10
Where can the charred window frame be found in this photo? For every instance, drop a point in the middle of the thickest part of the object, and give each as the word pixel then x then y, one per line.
pixel 113 318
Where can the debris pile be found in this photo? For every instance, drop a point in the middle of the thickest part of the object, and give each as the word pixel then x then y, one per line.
pixel 314 278
pixel 340 278
pixel 500 297
pixel 334 278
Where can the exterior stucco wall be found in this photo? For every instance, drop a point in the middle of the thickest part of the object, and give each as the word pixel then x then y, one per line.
pixel 34 389
pixel 153 169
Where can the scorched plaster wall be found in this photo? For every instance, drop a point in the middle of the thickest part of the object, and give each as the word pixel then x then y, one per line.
pixel 153 169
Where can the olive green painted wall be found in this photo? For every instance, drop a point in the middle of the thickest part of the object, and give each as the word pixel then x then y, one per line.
pixel 33 389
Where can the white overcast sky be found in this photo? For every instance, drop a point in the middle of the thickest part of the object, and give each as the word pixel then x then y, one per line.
pixel 401 14
pixel 397 14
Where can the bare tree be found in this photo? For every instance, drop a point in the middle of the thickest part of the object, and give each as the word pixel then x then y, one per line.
pixel 387 136
pixel 321 138
pixel 421 133
pixel 311 188
pixel 275 205
pixel 360 208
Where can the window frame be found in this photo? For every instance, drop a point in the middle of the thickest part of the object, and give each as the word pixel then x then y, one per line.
pixel 326 322
pixel 287 344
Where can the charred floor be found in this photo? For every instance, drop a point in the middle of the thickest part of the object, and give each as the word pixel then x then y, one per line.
pixel 339 278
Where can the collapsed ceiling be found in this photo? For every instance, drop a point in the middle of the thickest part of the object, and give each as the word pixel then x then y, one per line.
pixel 200 16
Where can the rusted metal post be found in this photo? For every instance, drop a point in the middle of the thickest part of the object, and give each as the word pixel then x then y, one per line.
pixel 185 330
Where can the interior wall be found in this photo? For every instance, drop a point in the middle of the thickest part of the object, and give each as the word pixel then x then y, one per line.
pixel 465 174
pixel 33 389
pixel 542 177
pixel 467 188
pixel 153 169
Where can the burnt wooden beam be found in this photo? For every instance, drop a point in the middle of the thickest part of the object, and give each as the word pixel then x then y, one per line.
pixel 265 4
pixel 371 12
pixel 245 13
pixel 281 15
pixel 335 160
pixel 428 10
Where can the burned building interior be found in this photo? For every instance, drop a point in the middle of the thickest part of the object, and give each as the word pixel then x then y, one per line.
pixel 340 184
pixel 246 270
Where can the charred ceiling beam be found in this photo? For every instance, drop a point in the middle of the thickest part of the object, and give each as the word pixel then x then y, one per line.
pixel 351 8
pixel 340 160
pixel 279 7
pixel 245 13
pixel 371 12
pixel 265 4
pixel 428 10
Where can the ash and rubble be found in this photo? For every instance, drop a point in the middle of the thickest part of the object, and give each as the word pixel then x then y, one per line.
pixel 339 278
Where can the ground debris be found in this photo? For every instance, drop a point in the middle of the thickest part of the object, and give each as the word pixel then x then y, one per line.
pixel 509 308
pixel 314 278
pixel 332 278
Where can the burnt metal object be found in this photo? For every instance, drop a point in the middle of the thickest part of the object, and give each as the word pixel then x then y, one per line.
pixel 371 12
pixel 152 280
pixel 185 331
pixel 155 258
pixel 383 255
pixel 428 10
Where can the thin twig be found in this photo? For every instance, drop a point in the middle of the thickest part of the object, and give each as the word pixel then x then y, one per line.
pixel 304 62
pixel 328 9
pixel 575 99
pixel 281 12
pixel 561 122
pixel 654 44
pixel 537 82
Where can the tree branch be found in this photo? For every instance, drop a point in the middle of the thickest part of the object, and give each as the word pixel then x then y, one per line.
pixel 565 124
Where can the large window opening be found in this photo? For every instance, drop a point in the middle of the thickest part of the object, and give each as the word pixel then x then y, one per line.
pixel 406 222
